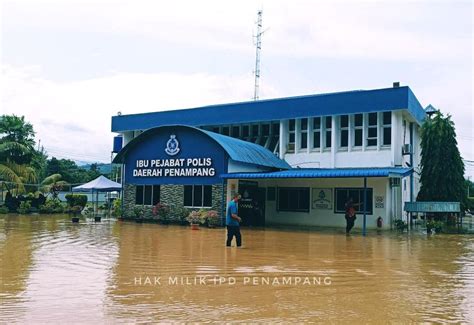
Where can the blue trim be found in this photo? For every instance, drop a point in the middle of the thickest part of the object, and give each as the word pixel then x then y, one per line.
pixel 349 102
pixel 238 150
pixel 415 108
pixel 325 173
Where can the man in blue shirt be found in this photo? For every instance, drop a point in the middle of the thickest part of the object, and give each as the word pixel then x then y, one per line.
pixel 232 222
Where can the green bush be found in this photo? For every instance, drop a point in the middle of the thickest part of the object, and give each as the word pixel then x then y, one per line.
pixel 52 205
pixel 470 204
pixel 24 208
pixel 400 225
pixel 117 208
pixel 179 214
pixel 434 224
pixel 3 210
pixel 138 212
pixel 76 200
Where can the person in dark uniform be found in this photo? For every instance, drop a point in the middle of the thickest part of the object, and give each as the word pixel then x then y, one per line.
pixel 233 222
pixel 350 214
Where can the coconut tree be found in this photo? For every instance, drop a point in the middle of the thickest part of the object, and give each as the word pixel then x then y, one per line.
pixel 16 150
pixel 53 184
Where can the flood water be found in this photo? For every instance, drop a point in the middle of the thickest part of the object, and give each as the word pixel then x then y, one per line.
pixel 123 272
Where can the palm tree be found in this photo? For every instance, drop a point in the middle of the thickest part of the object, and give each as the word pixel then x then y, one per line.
pixel 53 184
pixel 16 150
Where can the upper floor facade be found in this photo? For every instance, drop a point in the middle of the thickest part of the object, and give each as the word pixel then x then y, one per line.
pixel 371 128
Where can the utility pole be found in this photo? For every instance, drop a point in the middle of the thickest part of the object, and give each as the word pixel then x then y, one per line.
pixel 258 46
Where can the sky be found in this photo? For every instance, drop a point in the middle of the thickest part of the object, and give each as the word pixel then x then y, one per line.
pixel 69 65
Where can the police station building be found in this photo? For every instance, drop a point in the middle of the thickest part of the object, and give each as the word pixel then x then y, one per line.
pixel 295 161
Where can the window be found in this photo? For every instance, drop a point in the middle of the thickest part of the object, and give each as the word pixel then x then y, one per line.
pixel 344 126
pixel 358 128
pixel 328 124
pixel 276 129
pixel 387 128
pixel 293 199
pixel 357 195
pixel 372 130
pixel 291 131
pixel 198 196
pixel 235 131
pixel 304 133
pixel 255 130
pixel 245 131
pixel 225 130
pixel 317 132
pixel 139 194
pixel 274 137
pixel 265 134
pixel 215 129
pixel 147 194
pixel 255 133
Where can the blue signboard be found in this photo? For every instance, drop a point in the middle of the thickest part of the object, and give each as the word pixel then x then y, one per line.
pixel 175 155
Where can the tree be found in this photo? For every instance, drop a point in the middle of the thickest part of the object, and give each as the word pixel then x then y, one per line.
pixel 53 184
pixel 70 172
pixel 442 168
pixel 16 150
pixel 17 139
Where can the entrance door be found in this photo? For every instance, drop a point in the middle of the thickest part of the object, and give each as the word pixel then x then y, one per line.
pixel 252 204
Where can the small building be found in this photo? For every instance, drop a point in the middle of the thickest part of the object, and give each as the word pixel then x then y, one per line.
pixel 295 161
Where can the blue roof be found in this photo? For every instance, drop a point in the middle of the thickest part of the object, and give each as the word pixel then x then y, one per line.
pixel 326 173
pixel 238 150
pixel 247 152
pixel 349 102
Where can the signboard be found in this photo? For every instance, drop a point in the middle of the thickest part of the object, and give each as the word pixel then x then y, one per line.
pixel 322 198
pixel 432 207
pixel 175 155
pixel 379 202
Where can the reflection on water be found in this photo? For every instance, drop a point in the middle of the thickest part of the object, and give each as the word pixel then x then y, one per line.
pixel 54 270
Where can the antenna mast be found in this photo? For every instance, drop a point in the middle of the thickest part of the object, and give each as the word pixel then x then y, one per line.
pixel 258 46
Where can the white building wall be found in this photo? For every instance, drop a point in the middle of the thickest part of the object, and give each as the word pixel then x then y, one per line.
pixel 351 156
pixel 328 218
pixel 127 137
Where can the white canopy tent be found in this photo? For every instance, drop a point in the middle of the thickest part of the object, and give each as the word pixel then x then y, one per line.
pixel 100 184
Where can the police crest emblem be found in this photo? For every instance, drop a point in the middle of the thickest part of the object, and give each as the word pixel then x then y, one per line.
pixel 172 146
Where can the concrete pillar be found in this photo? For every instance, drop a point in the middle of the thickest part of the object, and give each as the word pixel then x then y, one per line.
pixel 334 138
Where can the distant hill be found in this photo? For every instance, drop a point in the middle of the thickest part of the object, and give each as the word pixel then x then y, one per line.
pixel 103 168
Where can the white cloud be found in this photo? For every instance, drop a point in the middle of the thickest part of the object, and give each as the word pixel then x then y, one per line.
pixel 401 30
pixel 73 119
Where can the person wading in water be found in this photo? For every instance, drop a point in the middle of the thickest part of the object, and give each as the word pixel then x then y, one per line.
pixel 232 222
pixel 350 214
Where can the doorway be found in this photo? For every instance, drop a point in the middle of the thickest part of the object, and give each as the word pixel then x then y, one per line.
pixel 252 204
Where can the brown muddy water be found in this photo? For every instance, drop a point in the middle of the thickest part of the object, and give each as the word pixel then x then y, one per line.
pixel 53 271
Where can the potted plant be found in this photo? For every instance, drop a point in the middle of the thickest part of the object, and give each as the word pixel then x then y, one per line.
pixel 75 210
pixel 194 218
pixel 435 225
pixel 162 212
pixel 400 225
pixel 212 218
